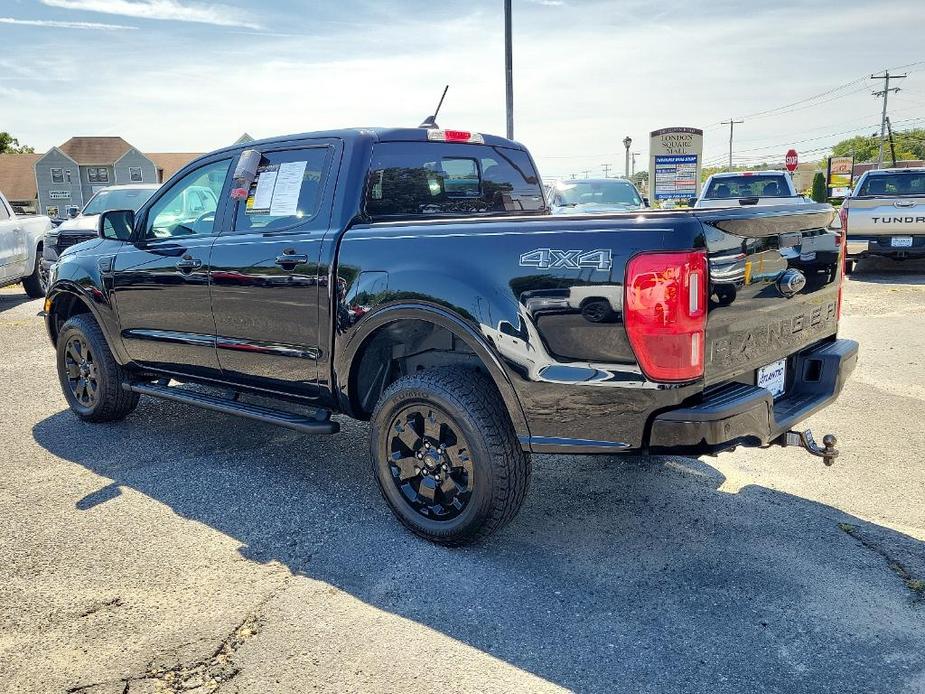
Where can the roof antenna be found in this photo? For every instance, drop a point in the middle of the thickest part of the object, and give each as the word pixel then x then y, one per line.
pixel 431 121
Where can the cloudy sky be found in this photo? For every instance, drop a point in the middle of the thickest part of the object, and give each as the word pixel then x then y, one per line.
pixel 190 75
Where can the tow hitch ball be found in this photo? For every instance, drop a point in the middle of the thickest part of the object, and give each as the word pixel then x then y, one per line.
pixel 804 439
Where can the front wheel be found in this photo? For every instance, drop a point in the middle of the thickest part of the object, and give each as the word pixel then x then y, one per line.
pixel 36 283
pixel 446 456
pixel 91 379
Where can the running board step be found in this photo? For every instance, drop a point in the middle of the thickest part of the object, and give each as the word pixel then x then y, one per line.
pixel 290 420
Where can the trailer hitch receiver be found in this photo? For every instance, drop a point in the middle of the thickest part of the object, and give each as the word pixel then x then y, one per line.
pixel 805 440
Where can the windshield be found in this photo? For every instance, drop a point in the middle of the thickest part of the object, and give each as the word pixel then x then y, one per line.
pixel 773 186
pixel 122 199
pixel 894 184
pixel 597 192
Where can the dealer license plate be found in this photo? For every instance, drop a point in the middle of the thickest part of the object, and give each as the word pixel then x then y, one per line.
pixel 901 242
pixel 773 377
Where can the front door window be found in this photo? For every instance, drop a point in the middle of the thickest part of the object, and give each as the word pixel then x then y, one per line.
pixel 188 208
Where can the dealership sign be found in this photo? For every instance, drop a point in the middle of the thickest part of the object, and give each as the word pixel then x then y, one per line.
pixel 675 158
pixel 59 194
pixel 840 176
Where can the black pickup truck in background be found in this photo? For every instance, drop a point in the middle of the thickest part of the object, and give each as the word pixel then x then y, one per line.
pixel 414 278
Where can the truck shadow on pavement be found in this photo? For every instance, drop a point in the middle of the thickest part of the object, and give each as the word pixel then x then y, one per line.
pixel 10 300
pixel 635 574
pixel 887 271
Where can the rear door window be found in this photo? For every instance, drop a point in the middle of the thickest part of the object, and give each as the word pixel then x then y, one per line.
pixel 894 184
pixel 747 187
pixel 427 179
pixel 287 191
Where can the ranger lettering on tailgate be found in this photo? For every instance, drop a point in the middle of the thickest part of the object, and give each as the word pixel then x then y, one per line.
pixel 747 345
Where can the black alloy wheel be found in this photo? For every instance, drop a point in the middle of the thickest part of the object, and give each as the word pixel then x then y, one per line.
pixel 445 455
pixel 430 462
pixel 90 377
pixel 82 374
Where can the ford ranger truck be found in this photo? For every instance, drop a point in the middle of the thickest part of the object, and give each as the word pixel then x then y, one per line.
pixel 885 215
pixel 21 249
pixel 413 278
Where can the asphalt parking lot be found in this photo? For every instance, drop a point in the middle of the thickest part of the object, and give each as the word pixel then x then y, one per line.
pixel 183 550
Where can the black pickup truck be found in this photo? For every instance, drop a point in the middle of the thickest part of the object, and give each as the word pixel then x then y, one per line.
pixel 414 278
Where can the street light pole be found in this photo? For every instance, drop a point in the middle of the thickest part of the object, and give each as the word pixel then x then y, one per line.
pixel 633 164
pixel 627 141
pixel 509 69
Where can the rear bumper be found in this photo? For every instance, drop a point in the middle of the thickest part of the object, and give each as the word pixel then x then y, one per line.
pixel 743 414
pixel 864 246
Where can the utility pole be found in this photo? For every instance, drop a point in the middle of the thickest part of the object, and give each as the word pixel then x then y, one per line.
pixel 889 130
pixel 509 70
pixel 586 172
pixel 606 168
pixel 633 164
pixel 627 141
pixel 731 123
pixel 886 77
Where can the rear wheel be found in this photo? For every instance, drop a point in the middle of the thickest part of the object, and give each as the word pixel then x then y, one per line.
pixel 446 457
pixel 36 283
pixel 849 267
pixel 90 377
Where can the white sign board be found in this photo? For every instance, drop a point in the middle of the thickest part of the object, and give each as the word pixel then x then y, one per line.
pixel 675 159
pixel 59 194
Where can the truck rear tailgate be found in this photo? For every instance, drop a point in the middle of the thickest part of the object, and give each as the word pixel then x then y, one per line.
pixel 774 284
pixel 893 216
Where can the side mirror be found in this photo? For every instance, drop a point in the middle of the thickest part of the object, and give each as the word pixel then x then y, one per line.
pixel 645 201
pixel 691 202
pixel 116 225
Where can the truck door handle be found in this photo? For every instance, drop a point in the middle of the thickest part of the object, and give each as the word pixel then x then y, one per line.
pixel 188 264
pixel 904 203
pixel 291 259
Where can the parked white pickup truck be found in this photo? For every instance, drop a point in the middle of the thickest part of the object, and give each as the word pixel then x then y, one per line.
pixel 885 215
pixel 21 249
pixel 741 188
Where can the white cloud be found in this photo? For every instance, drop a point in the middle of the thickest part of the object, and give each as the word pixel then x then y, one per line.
pixel 64 25
pixel 172 10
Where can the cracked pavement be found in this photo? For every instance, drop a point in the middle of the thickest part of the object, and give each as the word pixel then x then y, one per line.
pixel 183 550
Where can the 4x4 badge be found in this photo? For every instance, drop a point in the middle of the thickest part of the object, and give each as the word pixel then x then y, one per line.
pixel 554 258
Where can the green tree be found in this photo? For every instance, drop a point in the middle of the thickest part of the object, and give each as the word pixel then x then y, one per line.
pixel 819 192
pixel 909 144
pixel 10 145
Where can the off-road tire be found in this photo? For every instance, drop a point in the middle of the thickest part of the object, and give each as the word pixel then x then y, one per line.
pixel 501 467
pixel 34 284
pixel 112 402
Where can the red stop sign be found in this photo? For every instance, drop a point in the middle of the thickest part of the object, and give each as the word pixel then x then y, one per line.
pixel 791 160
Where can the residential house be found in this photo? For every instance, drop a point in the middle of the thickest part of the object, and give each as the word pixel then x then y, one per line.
pixel 71 173
pixel 17 179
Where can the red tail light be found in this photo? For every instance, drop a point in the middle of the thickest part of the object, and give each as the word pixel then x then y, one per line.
pixel 665 313
pixel 843 252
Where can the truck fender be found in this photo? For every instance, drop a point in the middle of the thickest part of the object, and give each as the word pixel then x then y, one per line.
pixel 440 316
pixel 96 304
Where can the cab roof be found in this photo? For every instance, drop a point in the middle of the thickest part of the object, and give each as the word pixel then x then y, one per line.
pixel 730 174
pixel 357 134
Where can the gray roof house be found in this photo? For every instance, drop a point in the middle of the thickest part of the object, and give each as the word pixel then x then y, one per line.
pixel 69 174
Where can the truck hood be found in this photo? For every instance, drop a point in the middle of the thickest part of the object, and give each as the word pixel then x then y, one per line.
pixel 83 223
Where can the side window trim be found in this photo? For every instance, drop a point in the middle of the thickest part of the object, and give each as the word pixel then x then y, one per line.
pixel 141 220
pixel 330 162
